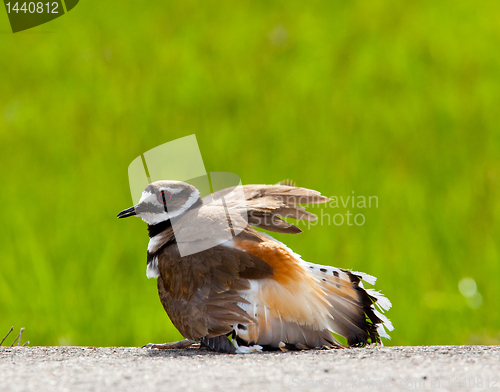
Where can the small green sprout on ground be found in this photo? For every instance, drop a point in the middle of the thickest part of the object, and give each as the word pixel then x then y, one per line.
pixel 18 338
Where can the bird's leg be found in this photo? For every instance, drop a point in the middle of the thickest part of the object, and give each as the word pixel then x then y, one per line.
pixel 171 346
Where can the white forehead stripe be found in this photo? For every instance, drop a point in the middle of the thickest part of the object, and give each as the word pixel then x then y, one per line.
pixel 173 191
pixel 145 195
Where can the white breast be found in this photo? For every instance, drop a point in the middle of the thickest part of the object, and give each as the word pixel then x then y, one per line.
pixel 152 270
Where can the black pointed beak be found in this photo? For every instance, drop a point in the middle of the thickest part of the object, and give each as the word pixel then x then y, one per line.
pixel 126 213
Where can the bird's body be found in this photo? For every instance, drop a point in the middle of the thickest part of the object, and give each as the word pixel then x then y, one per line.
pixel 250 287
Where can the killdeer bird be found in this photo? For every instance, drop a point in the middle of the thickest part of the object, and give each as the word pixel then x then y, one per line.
pixel 250 292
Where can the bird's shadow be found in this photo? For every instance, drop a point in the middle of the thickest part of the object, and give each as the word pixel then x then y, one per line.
pixel 191 352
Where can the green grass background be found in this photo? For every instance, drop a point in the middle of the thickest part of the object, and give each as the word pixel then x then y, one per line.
pixel 394 99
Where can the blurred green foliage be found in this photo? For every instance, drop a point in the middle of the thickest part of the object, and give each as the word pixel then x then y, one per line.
pixel 394 99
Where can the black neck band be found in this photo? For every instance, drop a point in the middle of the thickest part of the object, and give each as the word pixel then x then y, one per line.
pixel 158 228
pixel 162 226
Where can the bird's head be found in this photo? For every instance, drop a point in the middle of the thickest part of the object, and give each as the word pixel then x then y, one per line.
pixel 164 200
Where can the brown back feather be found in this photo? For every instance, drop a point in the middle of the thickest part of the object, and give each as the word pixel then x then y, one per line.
pixel 218 267
pixel 199 291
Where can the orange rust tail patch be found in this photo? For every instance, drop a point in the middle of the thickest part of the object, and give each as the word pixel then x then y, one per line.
pixel 286 268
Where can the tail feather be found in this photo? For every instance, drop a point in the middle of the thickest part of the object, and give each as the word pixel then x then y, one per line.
pixel 354 309
pixel 275 330
pixel 323 301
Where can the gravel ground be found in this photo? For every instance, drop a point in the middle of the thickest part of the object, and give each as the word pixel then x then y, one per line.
pixel 467 368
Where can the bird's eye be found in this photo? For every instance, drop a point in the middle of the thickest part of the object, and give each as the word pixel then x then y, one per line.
pixel 164 197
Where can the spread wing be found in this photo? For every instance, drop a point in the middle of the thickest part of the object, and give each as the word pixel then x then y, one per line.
pixel 267 204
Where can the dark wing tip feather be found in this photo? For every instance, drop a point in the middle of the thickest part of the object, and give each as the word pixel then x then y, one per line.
pixel 220 344
pixel 369 324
